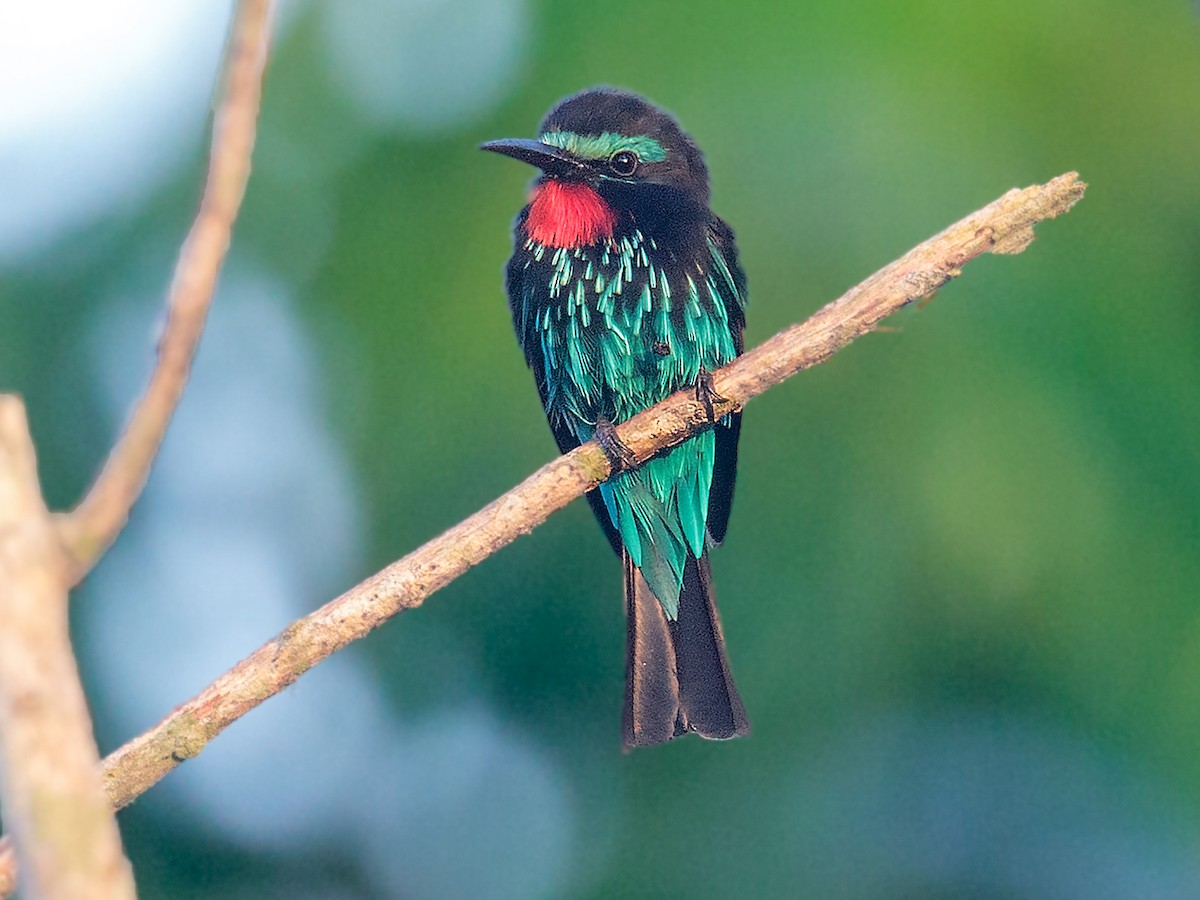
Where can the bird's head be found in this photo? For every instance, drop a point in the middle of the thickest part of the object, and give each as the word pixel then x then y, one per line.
pixel 622 148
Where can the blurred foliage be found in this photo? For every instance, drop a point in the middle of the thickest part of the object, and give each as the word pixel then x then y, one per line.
pixel 983 524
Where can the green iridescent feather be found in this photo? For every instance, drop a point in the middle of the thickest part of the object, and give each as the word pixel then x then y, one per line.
pixel 614 335
pixel 602 146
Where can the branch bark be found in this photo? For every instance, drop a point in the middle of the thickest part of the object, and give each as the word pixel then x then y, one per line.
pixel 8 867
pixel 62 823
pixel 1005 226
pixel 63 826
pixel 94 524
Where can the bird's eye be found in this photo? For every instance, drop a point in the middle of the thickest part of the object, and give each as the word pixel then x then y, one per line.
pixel 623 163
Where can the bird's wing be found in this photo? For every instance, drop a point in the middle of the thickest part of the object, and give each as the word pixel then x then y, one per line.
pixel 731 282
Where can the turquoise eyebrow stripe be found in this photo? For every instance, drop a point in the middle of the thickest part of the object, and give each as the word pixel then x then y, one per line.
pixel 602 146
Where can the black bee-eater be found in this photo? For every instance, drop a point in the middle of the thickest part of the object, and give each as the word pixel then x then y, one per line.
pixel 624 287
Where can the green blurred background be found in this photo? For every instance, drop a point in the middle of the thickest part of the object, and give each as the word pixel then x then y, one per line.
pixel 962 585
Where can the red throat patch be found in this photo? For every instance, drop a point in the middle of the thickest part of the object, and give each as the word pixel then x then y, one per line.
pixel 568 214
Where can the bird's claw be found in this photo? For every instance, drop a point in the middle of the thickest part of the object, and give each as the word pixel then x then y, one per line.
pixel 707 395
pixel 620 457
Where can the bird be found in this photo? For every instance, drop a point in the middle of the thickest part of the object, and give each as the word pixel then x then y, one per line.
pixel 625 287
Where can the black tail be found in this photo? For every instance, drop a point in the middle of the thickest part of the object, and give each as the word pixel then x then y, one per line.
pixel 677 676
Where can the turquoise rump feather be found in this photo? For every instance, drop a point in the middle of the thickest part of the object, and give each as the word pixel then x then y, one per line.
pixel 624 288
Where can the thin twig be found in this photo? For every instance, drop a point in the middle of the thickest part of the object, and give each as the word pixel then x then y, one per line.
pixel 1005 226
pixel 50 786
pixel 89 529
pixel 53 798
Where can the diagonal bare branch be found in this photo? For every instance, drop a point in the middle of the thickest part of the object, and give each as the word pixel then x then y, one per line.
pixel 89 529
pixel 1005 226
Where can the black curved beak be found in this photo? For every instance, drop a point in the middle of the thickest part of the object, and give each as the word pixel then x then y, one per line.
pixel 551 160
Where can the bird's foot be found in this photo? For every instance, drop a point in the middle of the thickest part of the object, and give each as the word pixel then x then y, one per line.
pixel 707 395
pixel 619 456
